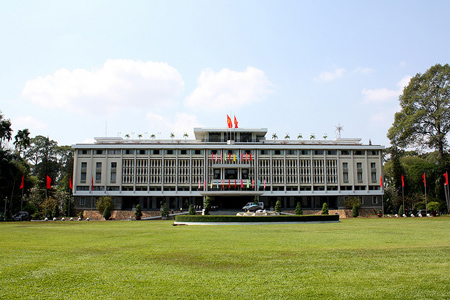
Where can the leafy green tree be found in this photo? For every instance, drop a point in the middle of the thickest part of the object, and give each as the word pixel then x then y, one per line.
pixel 22 140
pixel 299 209
pixel 103 203
pixel 192 210
pixel 350 202
pixel 424 119
pixel 5 130
pixel 325 209
pixel 56 211
pixel 355 211
pixel 278 206
pixel 138 212
pixel 433 206
pixel 255 201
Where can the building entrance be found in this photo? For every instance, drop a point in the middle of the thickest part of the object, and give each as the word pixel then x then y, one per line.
pixel 231 202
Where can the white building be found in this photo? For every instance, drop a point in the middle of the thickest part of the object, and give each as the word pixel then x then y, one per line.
pixel 232 166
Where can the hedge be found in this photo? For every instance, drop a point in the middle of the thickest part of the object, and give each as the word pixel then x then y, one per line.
pixel 283 218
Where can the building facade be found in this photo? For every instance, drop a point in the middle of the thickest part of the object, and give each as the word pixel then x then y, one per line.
pixel 231 166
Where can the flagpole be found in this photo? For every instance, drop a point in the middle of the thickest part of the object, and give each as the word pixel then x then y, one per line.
pixel 403 196
pixel 426 209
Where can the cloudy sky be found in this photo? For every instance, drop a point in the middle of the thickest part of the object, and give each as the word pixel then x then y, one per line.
pixel 75 70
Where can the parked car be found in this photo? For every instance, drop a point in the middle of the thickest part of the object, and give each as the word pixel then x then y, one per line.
pixel 253 206
pixel 21 216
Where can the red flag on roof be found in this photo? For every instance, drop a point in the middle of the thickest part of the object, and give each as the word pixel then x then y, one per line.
pixel 235 122
pixel 230 124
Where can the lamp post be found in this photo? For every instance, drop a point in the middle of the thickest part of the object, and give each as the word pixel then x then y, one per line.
pixel 6 201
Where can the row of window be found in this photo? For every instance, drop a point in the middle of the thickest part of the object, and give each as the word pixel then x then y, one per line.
pixel 214 152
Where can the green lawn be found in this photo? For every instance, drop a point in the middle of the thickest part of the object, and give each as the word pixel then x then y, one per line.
pixel 354 259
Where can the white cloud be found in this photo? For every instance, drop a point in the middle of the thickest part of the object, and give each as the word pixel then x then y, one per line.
pixel 384 94
pixel 227 88
pixel 117 84
pixel 329 76
pixel 29 122
pixel 181 123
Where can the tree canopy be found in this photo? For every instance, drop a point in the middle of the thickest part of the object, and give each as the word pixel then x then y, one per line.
pixel 424 119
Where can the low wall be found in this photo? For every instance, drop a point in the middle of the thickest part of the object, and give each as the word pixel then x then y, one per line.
pixel 343 213
pixel 118 214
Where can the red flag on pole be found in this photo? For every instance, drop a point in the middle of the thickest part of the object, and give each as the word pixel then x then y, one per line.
pixel 21 184
pixel 230 124
pixel 70 183
pixel 446 178
pixel 250 156
pixel 49 182
pixel 235 122
pixel 424 180
pixel 92 183
pixel 403 181
pixel 381 181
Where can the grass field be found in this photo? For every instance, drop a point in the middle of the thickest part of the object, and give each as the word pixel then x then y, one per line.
pixel 354 259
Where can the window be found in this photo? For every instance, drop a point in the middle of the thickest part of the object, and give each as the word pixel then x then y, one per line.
pixel 331 152
pixel 264 152
pixel 216 173
pixel 358 152
pixel 82 201
pixel 83 172
pixel 374 200
pixel 128 151
pixel 318 152
pixel 98 172
pixel 184 152
pixel 98 152
pixel 345 152
pixel 359 165
pixel 230 173
pixel 141 151
pixel 373 165
pixel 114 152
pixel 155 152
pixel 244 174
pixel 372 152
pixel 169 152
pixel 84 152
pixel 277 152
pixel 305 152
pixel 291 152
pixel 345 166
pixel 213 151
pixel 113 172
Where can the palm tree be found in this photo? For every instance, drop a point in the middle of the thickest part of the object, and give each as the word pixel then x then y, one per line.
pixel 22 140
pixel 274 136
pixel 185 135
pixel 172 135
pixel 325 136
pixel 139 136
pixel 287 136
pixel 153 136
pixel 127 136
pixel 299 136
pixel 312 136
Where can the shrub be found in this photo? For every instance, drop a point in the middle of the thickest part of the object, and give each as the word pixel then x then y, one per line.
pixel 298 209
pixel 138 212
pixel 278 206
pixel 355 211
pixel 192 210
pixel 104 202
pixel 284 218
pixel 325 209
pixel 433 206
pixel 107 213
pixel 255 200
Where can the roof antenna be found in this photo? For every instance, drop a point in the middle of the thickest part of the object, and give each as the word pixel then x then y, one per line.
pixel 339 128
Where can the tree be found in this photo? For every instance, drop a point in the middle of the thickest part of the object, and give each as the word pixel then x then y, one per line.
pixel 299 209
pixel 287 137
pixel 424 119
pixel 325 209
pixel 56 211
pixel 433 206
pixel 164 211
pixel 278 206
pixel 107 213
pixel 22 140
pixel 355 211
pixel 192 210
pixel 207 205
pixel 138 212
pixel 5 130
pixel 274 136
pixel 103 203
pixel 350 202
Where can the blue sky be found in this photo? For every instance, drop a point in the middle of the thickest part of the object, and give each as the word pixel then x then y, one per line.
pixel 75 70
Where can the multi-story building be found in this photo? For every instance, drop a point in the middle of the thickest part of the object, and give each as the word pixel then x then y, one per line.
pixel 232 166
